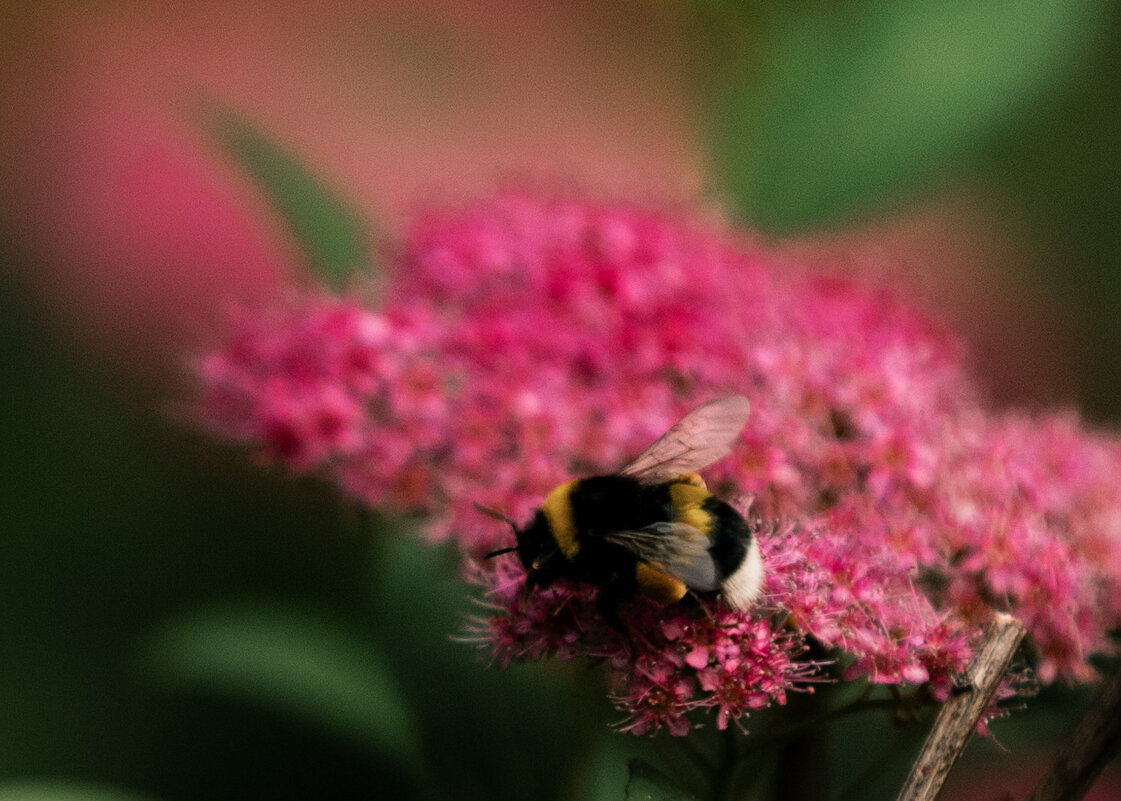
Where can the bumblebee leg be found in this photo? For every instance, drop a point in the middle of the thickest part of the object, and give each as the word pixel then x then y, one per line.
pixel 694 606
pixel 616 589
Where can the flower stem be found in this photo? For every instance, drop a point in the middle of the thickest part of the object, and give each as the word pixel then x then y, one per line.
pixel 723 780
pixel 807 745
pixel 1088 749
pixel 959 715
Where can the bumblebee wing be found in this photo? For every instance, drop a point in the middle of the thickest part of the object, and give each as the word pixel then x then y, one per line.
pixel 698 439
pixel 678 548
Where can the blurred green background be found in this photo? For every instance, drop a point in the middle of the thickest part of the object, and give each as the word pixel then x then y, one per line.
pixel 181 623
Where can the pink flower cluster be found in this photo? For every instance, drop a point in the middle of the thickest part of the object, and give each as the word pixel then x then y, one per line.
pixel 667 664
pixel 322 384
pixel 523 341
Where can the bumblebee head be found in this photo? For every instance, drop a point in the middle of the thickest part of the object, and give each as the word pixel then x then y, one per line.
pixel 536 547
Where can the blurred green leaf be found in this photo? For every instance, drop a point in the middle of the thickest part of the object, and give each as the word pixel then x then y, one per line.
pixel 648 784
pixel 841 108
pixel 331 234
pixel 604 775
pixel 54 790
pixel 493 733
pixel 1058 180
pixel 306 668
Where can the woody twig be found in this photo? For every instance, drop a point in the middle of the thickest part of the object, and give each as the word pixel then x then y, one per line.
pixel 1088 748
pixel 958 717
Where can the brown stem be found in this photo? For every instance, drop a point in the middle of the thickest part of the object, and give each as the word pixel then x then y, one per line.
pixel 1088 749
pixel 804 745
pixel 959 715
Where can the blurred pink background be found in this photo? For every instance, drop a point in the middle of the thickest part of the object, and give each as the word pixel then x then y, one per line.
pixel 134 232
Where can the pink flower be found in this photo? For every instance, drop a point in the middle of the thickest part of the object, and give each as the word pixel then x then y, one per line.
pixel 523 341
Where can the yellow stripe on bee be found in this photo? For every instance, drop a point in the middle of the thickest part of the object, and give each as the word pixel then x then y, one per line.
pixel 688 503
pixel 657 585
pixel 557 509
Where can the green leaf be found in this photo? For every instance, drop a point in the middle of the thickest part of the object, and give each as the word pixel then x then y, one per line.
pixel 848 107
pixel 604 775
pixel 499 733
pixel 295 664
pixel 536 731
pixel 649 784
pixel 331 234
pixel 54 790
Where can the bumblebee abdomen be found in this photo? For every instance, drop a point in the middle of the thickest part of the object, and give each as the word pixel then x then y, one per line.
pixel 730 537
pixel 732 546
pixel 735 554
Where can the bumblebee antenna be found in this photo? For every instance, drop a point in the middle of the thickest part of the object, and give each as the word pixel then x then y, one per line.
pixel 500 551
pixel 498 516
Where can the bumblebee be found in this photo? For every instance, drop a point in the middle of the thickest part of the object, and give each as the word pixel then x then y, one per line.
pixel 653 528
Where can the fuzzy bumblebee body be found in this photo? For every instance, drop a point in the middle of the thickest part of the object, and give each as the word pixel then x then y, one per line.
pixel 653 528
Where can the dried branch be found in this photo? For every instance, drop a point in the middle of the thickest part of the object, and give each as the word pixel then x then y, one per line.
pixel 959 715
pixel 1088 748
